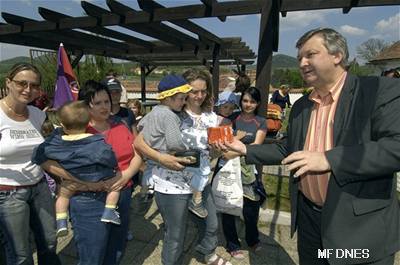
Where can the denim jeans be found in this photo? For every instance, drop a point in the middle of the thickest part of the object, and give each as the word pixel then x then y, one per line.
pixel 90 234
pixel 251 210
pixel 208 227
pixel 174 211
pixel 6 253
pixel 22 210
pixel 117 239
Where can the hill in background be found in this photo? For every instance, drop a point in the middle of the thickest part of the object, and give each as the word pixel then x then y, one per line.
pixel 284 61
pixel 7 64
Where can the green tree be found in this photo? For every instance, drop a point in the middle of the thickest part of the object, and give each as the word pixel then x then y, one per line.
pixel 357 69
pixel 93 67
pixel 291 77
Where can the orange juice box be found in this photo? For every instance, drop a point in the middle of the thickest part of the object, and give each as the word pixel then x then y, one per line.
pixel 220 133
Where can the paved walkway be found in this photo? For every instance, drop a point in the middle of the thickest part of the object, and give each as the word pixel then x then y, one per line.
pixel 145 248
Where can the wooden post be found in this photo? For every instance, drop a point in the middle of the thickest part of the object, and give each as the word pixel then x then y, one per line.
pixel 243 68
pixel 267 43
pixel 215 71
pixel 143 82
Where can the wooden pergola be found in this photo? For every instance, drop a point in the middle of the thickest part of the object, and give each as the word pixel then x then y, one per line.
pixel 89 34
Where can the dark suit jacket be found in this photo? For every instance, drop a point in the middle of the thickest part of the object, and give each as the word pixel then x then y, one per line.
pixel 361 209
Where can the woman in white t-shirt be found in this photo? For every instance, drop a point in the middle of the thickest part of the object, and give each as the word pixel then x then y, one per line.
pixel 25 199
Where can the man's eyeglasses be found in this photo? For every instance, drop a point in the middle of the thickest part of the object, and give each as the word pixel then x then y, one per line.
pixel 24 84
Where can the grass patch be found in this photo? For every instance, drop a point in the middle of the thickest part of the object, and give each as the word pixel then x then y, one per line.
pixel 278 192
pixel 277 189
pixel 286 120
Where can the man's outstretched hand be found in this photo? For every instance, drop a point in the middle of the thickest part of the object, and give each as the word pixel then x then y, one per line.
pixel 307 162
pixel 235 146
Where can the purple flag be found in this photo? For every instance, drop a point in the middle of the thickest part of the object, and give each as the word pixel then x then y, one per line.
pixel 65 90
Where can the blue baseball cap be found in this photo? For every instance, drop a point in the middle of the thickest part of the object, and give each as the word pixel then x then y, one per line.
pixel 171 85
pixel 227 97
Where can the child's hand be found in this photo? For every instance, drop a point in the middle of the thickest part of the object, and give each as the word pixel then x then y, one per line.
pixel 120 183
pixel 112 183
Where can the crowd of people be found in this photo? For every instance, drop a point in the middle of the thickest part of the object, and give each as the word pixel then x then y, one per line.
pixel 342 149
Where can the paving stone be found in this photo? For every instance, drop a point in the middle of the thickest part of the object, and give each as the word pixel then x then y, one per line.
pixel 133 249
pixel 147 228
pixel 287 257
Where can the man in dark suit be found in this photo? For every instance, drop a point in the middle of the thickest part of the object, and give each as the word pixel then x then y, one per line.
pixel 343 148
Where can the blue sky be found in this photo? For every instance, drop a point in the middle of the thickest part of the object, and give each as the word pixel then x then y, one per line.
pixel 357 26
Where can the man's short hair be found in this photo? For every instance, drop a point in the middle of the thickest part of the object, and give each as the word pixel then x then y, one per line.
pixel 112 84
pixel 242 82
pixel 334 42
pixel 74 115
pixel 112 73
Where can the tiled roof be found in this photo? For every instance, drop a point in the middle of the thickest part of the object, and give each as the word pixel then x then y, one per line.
pixel 389 53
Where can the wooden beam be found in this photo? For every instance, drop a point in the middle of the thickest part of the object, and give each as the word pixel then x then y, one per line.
pixel 78 57
pixel 265 48
pixel 191 54
pixel 28 24
pixel 232 39
pixel 202 59
pixel 9 29
pixel 56 17
pixel 166 55
pixel 215 71
pixel 241 49
pixel 104 15
pixel 143 82
pixel 234 45
pixel 14 19
pixel 194 11
pixel 209 4
pixel 232 8
pixel 204 35
pixel 150 5
pixel 157 27
pixel 186 48
pixel 44 42
pixel 295 5
pixel 346 10
pixel 33 41
pixel 78 22
pixel 66 36
pixel 52 43
pixel 245 55
pixel 150 69
pixel 193 62
pixel 276 6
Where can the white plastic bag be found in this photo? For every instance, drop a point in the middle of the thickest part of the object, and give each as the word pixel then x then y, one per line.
pixel 227 188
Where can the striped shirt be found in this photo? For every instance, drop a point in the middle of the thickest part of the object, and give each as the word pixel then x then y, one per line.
pixel 320 139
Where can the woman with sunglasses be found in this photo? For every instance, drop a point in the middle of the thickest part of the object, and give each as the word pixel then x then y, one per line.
pixel 25 199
